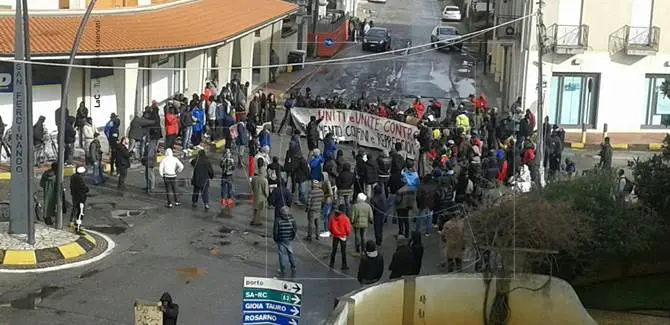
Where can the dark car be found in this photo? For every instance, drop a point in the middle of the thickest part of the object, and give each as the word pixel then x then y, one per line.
pixel 446 38
pixel 377 39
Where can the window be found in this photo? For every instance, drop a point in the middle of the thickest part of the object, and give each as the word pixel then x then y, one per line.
pixel 657 104
pixel 573 99
pixel 446 31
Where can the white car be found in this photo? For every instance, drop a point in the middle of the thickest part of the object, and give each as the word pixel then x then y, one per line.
pixel 451 13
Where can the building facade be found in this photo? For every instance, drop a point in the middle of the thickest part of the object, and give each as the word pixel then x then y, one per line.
pixel 126 38
pixel 604 61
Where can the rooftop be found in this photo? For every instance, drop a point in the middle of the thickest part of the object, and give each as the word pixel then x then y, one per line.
pixel 177 27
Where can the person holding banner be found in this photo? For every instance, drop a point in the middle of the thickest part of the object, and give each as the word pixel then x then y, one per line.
pixel 312 130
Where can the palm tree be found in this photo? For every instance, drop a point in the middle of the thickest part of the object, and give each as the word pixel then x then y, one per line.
pixel 665 87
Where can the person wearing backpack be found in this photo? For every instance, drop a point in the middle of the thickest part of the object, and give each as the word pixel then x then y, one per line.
pixel 227 165
pixel 274 173
pixel 283 233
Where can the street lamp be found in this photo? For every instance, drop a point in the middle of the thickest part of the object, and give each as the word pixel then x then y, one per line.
pixel 63 112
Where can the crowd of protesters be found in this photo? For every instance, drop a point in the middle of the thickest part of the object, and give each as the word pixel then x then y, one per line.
pixel 465 149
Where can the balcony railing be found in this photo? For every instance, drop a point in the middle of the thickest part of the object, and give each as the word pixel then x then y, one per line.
pixel 642 40
pixel 509 31
pixel 568 39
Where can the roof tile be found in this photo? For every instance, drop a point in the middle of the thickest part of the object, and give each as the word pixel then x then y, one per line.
pixel 177 27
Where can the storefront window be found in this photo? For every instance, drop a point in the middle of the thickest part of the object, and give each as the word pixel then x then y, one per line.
pixel 657 104
pixel 573 100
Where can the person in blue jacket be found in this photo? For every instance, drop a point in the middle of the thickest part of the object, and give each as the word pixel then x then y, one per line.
pixel 315 165
pixel 329 146
pixel 264 137
pixel 198 125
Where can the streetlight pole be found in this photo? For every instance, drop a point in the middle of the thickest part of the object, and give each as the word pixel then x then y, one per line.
pixel 540 94
pixel 63 112
pixel 29 117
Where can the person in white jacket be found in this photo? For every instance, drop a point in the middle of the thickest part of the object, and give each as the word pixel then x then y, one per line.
pixel 523 182
pixel 169 168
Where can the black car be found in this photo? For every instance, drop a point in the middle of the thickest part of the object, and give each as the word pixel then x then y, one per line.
pixel 377 39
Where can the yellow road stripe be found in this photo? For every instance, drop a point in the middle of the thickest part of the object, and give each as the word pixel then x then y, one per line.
pixel 90 238
pixel 23 257
pixel 71 250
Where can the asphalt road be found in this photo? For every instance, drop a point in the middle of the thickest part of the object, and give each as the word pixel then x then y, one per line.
pixel 424 72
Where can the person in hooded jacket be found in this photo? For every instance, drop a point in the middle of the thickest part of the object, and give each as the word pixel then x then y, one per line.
pixel 171 128
pixel 50 194
pixel 402 262
pixel 371 176
pixel 312 130
pixel 78 191
pixel 379 205
pixel 301 175
pixel 169 169
pixel 170 310
pixel 384 171
pixel 371 267
pixel 284 231
pixel 198 127
pixel 340 161
pixel 329 146
pixel 261 191
pixel 345 186
pixel 315 165
pixel 361 217
pixel 280 197
pixel 340 228
pixel 264 137
pixel 202 173
pixel 417 251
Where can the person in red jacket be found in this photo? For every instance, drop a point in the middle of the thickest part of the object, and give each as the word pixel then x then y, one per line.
pixel 340 228
pixel 419 108
pixel 528 154
pixel 171 128
pixel 382 111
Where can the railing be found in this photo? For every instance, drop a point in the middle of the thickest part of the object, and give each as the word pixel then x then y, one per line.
pixel 569 35
pixel 643 36
pixel 511 30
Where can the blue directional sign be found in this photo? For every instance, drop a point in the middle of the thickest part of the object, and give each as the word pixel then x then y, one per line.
pixel 329 42
pixel 271 301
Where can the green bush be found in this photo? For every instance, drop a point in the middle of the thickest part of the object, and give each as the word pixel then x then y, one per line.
pixel 652 179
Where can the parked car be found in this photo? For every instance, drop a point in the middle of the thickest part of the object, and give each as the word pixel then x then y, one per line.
pixel 377 39
pixel 445 37
pixel 451 13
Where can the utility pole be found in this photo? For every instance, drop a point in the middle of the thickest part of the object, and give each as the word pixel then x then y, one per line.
pixel 63 114
pixel 315 22
pixel 485 53
pixel 540 94
pixel 20 206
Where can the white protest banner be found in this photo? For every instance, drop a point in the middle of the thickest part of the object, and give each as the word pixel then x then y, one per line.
pixel 365 129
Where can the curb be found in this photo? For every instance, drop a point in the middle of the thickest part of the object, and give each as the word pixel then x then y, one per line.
pixel 617 147
pixel 30 259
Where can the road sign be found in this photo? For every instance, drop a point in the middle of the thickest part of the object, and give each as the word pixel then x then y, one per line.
pixel 329 42
pixel 271 301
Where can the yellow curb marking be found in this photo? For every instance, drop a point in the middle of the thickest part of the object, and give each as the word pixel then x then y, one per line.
pixel 71 250
pixel 656 146
pixel 620 146
pixel 90 238
pixel 577 145
pixel 23 257
pixel 5 176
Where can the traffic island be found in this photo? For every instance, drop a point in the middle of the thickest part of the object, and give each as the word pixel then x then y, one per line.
pixel 53 248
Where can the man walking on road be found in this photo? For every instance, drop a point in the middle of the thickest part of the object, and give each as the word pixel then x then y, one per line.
pixel 361 217
pixel 340 228
pixel 283 233
pixel 169 168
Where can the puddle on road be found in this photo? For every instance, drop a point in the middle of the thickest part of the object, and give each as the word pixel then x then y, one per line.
pixel 32 300
pixel 110 230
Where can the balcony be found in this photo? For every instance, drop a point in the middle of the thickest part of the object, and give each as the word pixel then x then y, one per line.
pixel 509 31
pixel 641 41
pixel 568 39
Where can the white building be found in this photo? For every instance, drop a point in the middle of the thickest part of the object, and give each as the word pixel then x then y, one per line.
pixel 603 63
pixel 211 39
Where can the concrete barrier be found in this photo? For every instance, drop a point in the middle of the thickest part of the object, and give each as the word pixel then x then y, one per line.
pixel 459 299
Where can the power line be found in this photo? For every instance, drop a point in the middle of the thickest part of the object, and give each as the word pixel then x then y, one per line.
pixel 346 60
